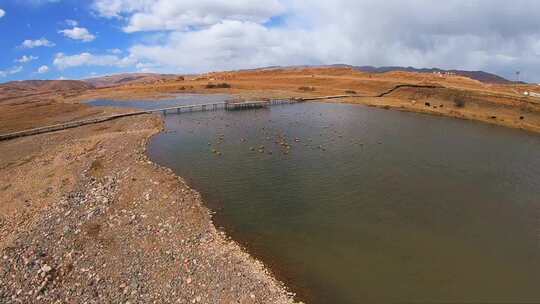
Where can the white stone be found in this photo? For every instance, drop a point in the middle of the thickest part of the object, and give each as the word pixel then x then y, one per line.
pixel 46 268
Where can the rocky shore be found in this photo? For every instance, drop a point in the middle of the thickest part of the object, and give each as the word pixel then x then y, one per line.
pixel 87 218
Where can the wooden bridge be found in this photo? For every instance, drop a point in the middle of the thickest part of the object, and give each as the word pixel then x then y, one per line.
pixel 228 106
pixel 225 105
pixel 190 108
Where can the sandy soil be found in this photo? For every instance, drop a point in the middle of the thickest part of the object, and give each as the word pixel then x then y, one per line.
pixel 86 218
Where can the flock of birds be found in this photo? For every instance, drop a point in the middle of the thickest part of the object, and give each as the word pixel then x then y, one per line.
pixel 270 139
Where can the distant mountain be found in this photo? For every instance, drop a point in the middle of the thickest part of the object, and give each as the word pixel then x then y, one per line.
pixel 129 78
pixel 477 75
pixel 27 88
pixel 45 85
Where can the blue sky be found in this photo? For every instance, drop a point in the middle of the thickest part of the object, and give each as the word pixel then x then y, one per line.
pixel 77 39
pixel 34 20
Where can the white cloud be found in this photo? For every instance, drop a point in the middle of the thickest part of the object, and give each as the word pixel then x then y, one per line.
pixel 30 44
pixel 2 13
pixel 63 61
pixel 25 59
pixel 78 33
pixel 147 67
pixel 17 69
pixel 13 70
pixel 155 15
pixel 493 35
pixel 115 51
pixel 234 45
pixel 72 23
pixel 43 69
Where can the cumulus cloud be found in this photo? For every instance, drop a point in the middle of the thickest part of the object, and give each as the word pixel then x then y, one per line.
pixel 63 61
pixel 78 33
pixel 457 33
pixel 25 59
pixel 2 13
pixel 155 15
pixel 11 71
pixel 114 8
pixel 43 69
pixel 30 44
pixel 234 45
pixel 199 35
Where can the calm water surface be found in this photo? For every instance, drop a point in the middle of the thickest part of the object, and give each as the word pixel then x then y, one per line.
pixel 149 104
pixel 370 206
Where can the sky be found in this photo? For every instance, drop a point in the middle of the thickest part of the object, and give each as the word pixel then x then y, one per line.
pixel 75 39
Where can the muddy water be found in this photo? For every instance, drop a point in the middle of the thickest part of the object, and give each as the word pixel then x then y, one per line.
pixel 368 205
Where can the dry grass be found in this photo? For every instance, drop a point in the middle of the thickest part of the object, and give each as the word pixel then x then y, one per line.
pixel 453 96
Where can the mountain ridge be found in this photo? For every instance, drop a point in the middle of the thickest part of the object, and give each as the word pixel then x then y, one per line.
pixel 481 76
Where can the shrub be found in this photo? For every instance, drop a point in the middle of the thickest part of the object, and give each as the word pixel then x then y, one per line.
pixel 307 89
pixel 459 99
pixel 459 103
pixel 223 85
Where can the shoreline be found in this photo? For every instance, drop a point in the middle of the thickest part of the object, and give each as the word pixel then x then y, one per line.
pixel 86 216
pixel 452 113
pixel 459 116
pixel 259 266
pixel 121 229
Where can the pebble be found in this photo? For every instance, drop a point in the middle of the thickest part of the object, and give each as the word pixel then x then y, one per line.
pixel 46 268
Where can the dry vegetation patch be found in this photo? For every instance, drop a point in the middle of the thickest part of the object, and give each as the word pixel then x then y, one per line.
pixel 223 85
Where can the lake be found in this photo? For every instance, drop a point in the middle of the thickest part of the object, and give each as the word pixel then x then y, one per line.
pixel 148 104
pixel 352 204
